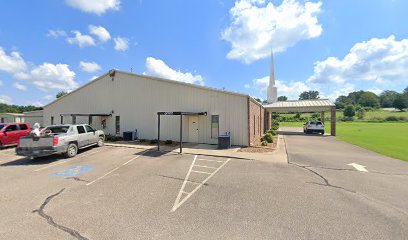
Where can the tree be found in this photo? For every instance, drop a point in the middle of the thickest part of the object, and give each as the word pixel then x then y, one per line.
pixel 282 98
pixel 60 94
pixel 342 102
pixel 360 113
pixel 405 91
pixel 309 95
pixel 349 111
pixel 401 102
pixel 369 99
pixel 387 98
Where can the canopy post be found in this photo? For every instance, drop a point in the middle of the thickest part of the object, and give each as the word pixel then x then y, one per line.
pixel 181 134
pixel 158 132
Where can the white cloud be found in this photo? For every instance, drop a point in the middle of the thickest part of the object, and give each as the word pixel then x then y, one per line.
pixel 51 76
pixel 12 63
pixel 379 60
pixel 20 86
pixel 1 83
pixel 291 90
pixel 100 32
pixel 81 40
pixel 5 99
pixel 48 97
pixel 339 91
pixel 377 91
pixel 56 33
pixel 37 104
pixel 121 44
pixel 98 7
pixel 158 68
pixel 257 26
pixel 247 86
pixel 89 67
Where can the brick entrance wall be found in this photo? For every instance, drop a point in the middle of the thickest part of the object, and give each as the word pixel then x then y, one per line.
pixel 256 121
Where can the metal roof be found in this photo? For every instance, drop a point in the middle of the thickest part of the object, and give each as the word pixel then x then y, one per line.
pixel 312 105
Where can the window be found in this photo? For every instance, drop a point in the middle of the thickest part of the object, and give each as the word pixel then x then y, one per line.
pixel 80 129
pixel 56 129
pixel 215 126
pixel 73 119
pixel 11 128
pixel 52 120
pixel 23 127
pixel 2 126
pixel 89 128
pixel 90 120
pixel 2 120
pixel 254 126
pixel 62 119
pixel 117 125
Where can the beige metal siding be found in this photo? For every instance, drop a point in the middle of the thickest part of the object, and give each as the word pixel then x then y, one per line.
pixel 34 117
pixel 137 99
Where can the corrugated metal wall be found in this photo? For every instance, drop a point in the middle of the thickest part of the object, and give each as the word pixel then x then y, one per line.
pixel 137 99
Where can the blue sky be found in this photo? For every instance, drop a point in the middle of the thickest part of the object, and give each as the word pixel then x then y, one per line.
pixel 332 46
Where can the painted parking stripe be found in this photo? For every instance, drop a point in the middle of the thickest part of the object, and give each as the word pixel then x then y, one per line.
pixel 200 172
pixel 113 170
pixel 204 166
pixel 358 167
pixel 78 156
pixel 209 160
pixel 180 201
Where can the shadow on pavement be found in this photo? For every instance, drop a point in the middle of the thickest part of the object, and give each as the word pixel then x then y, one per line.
pixel 300 134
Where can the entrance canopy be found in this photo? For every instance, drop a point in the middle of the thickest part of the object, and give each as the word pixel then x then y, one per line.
pixel 87 114
pixel 314 105
pixel 181 114
pixel 304 106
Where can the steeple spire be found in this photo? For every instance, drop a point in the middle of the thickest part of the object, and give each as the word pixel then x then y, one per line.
pixel 272 90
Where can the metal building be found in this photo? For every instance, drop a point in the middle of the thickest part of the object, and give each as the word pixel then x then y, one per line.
pixel 120 101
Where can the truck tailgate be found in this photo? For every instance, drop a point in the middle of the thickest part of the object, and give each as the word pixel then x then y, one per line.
pixel 36 142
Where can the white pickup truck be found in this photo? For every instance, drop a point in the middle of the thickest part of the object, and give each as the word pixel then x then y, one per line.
pixel 60 139
pixel 313 127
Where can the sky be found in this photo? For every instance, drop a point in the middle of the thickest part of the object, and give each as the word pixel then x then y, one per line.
pixel 334 47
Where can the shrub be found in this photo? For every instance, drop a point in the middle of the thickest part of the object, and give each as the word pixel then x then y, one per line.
pixel 402 118
pixel 168 142
pixel 142 140
pixel 349 111
pixel 268 137
pixel 272 132
pixel 264 143
pixel 110 138
pixel 391 119
pixel 360 113
pixel 316 116
pixel 347 119
pixel 153 141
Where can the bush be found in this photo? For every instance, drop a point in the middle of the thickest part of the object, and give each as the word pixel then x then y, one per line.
pixel 153 141
pixel 268 137
pixel 391 119
pixel 110 138
pixel 347 119
pixel 168 142
pixel 360 113
pixel 142 140
pixel 264 143
pixel 349 111
pixel 272 132
pixel 402 118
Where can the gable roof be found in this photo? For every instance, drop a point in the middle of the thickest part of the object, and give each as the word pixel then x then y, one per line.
pixel 150 78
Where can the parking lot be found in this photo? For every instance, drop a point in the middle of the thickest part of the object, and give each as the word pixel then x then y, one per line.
pixel 116 192
pixel 131 193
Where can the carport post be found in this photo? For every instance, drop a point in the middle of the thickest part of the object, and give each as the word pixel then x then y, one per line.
pixel 333 121
pixel 158 132
pixel 322 117
pixel 181 133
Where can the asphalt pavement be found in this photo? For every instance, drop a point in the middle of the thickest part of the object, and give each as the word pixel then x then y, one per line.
pixel 127 193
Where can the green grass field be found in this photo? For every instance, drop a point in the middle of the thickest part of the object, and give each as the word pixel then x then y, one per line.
pixel 387 138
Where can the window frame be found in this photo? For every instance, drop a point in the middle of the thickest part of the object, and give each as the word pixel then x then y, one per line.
pixel 117 125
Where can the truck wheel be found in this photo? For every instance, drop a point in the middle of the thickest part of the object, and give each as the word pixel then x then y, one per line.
pixel 101 142
pixel 72 150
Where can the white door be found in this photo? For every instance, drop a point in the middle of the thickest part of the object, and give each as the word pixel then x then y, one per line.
pixel 193 129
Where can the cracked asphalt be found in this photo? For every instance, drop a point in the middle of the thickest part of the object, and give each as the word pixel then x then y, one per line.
pixel 128 194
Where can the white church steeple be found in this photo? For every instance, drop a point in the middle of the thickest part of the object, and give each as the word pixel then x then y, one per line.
pixel 272 90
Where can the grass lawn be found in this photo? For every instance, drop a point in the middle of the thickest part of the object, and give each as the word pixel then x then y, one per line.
pixel 387 138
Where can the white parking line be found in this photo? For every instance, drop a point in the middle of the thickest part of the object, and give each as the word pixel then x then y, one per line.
pixel 209 160
pixel 78 156
pixel 204 166
pixel 200 172
pixel 111 171
pixel 178 203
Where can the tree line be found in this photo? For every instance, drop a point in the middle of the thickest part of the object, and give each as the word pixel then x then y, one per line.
pixel 5 108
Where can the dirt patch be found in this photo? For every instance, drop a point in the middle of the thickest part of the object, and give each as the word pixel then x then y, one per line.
pixel 258 148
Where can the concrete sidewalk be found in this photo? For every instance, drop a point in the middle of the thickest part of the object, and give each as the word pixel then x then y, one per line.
pixel 277 156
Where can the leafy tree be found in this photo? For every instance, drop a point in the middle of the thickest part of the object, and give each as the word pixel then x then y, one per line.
pixel 61 93
pixel 387 98
pixel 342 102
pixel 282 98
pixel 405 91
pixel 360 113
pixel 369 99
pixel 349 111
pixel 309 95
pixel 5 108
pixel 401 102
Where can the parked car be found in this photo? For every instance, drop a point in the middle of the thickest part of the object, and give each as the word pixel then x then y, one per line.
pixel 10 133
pixel 313 127
pixel 60 139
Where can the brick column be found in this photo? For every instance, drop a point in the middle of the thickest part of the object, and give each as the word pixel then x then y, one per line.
pixel 333 121
pixel 322 117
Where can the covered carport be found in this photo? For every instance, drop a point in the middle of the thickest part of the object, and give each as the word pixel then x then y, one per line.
pixel 306 106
